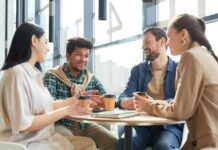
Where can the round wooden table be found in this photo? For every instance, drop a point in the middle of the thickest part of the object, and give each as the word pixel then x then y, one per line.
pixel 140 120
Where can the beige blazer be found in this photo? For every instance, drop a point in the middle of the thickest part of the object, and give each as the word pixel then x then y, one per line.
pixel 196 99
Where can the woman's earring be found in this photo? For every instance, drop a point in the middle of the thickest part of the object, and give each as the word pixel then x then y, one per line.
pixel 183 41
pixel 36 47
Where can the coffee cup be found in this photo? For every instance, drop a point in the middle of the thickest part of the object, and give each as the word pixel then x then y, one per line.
pixel 109 102
pixel 84 101
pixel 142 94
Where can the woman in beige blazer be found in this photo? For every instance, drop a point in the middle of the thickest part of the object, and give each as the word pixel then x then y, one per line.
pixel 196 99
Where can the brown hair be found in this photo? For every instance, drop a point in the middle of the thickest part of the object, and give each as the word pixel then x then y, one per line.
pixel 196 28
pixel 157 32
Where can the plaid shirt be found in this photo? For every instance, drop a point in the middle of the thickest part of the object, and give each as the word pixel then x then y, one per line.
pixel 60 91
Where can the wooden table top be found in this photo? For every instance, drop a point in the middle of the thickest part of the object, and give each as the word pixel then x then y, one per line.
pixel 143 120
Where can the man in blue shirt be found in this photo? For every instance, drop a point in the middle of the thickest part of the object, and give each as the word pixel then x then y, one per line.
pixel 156 76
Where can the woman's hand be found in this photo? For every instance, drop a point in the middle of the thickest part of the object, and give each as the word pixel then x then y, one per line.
pixel 76 109
pixel 140 102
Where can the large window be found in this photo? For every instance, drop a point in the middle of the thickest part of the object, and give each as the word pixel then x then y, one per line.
pixel 44 15
pixel 167 9
pixel 124 20
pixel 72 22
pixel 111 37
pixel 2 36
pixel 163 6
pixel 186 6
pixel 210 30
pixel 11 21
pixel 72 17
pixel 44 22
pixel 11 26
pixel 211 7
pixel 113 64
pixel 31 11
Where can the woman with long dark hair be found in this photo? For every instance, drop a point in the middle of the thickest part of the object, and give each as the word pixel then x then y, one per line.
pixel 26 107
pixel 196 98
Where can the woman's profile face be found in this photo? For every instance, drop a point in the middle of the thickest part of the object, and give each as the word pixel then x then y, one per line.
pixel 174 41
pixel 42 48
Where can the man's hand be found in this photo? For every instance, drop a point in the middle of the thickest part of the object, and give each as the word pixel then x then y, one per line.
pixel 128 103
pixel 96 102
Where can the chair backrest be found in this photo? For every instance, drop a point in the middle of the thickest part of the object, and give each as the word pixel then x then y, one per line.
pixel 11 146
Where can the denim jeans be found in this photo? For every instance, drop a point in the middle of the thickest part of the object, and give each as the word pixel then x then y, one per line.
pixel 156 137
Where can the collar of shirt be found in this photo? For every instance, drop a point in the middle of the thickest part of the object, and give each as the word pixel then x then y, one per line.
pixel 170 66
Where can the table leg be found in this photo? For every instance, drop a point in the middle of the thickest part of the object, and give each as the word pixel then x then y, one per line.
pixel 128 138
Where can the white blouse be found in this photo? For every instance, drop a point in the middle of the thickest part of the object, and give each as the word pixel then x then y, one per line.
pixel 22 97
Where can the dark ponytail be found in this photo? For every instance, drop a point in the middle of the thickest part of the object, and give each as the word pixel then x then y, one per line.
pixel 204 41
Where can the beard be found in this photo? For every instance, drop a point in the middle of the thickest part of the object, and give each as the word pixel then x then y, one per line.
pixel 78 69
pixel 152 56
pixel 75 68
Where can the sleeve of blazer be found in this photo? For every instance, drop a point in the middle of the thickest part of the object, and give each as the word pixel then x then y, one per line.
pixel 189 86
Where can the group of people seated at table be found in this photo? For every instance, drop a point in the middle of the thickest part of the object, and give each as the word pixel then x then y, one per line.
pixel 31 105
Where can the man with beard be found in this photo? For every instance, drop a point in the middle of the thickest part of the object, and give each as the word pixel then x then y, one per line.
pixel 156 76
pixel 73 78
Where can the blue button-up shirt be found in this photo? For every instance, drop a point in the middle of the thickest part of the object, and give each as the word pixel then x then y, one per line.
pixel 140 77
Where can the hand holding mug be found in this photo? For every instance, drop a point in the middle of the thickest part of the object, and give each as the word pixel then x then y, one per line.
pixel 97 101
pixel 75 109
pixel 140 100
pixel 84 101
